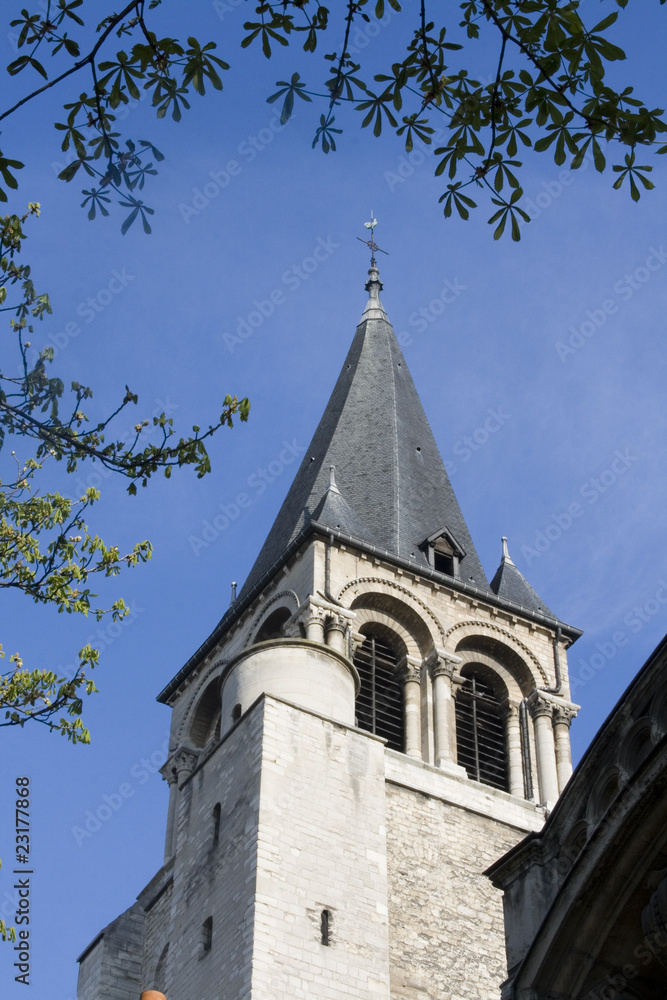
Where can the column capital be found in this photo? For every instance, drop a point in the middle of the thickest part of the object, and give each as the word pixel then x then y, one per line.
pixel 443 663
pixel 185 761
pixel 340 623
pixel 564 714
pixel 309 613
pixel 410 669
pixel 540 704
pixel 169 772
pixel 511 709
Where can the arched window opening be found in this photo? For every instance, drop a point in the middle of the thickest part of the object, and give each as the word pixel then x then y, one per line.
pixel 206 721
pixel 379 706
pixel 160 978
pixel 480 732
pixel 272 627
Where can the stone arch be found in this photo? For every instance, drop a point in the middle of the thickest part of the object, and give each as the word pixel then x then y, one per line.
pixel 204 720
pixel 572 846
pixel 636 746
pixel 160 975
pixel 393 629
pixel 500 643
pixel 604 792
pixel 210 675
pixel 401 604
pixel 500 677
pixel 658 714
pixel 271 626
pixel 285 599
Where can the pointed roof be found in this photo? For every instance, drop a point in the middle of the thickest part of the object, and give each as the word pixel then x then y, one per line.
pixel 391 478
pixel 393 493
pixel 334 511
pixel 510 584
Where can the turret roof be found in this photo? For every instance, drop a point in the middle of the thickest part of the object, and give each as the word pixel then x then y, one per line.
pixel 510 584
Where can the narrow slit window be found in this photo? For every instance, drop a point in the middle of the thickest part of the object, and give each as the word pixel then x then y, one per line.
pixel 217 809
pixel 325 927
pixel 237 712
pixel 207 935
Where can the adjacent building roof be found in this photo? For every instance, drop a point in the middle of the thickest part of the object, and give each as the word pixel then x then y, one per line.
pixel 388 468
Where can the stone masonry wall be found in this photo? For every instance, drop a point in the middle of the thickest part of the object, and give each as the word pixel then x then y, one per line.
pixel 158 936
pixel 216 880
pixel 321 846
pixel 111 970
pixel 446 919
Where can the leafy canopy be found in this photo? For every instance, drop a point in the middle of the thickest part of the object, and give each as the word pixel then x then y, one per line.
pixel 46 549
pixel 546 92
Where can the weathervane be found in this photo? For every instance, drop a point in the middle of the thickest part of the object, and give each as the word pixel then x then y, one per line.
pixel 371 243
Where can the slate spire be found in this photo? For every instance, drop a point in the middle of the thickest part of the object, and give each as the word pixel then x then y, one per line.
pixel 392 487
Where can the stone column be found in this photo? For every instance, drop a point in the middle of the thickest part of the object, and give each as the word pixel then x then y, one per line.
pixel 313 619
pixel 336 632
pixel 541 709
pixel 168 772
pixel 444 719
pixel 563 716
pixel 412 700
pixel 514 751
pixel 185 762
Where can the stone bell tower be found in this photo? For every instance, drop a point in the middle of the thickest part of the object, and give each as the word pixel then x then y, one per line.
pixel 368 728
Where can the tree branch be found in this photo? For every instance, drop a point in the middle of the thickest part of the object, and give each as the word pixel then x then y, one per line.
pixel 115 18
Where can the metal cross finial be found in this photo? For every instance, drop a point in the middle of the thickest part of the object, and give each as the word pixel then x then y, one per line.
pixel 371 243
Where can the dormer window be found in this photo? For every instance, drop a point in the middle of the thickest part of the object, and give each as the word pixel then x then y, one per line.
pixel 444 552
pixel 444 559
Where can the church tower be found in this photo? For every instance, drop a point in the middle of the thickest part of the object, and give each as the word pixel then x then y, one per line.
pixel 370 726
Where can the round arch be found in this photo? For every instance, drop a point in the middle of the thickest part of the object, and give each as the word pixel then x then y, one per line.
pixel 500 644
pixel 490 667
pixel 210 676
pixel 285 601
pixel 205 718
pixel 400 604
pixel 388 627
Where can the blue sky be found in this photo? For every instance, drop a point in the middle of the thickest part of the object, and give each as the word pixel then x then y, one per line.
pixel 574 475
